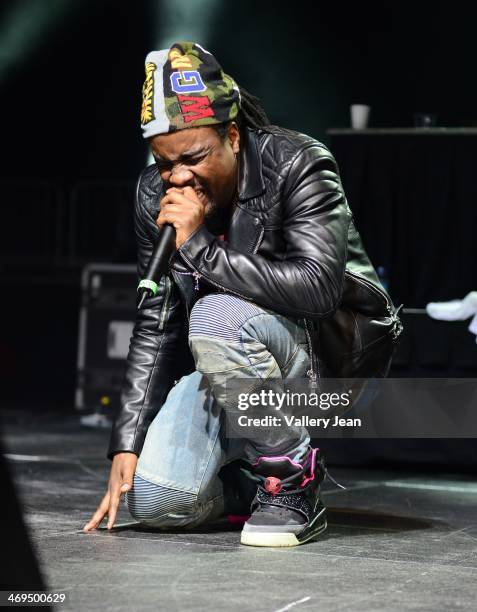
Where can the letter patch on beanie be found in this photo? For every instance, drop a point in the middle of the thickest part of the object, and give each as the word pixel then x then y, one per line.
pixel 195 107
pixel 178 60
pixel 147 113
pixel 188 81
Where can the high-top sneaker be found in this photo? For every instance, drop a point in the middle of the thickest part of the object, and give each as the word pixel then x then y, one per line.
pixel 287 509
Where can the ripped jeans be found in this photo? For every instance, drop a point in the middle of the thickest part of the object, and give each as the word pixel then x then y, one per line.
pixel 182 478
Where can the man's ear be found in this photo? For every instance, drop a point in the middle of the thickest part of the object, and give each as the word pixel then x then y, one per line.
pixel 234 137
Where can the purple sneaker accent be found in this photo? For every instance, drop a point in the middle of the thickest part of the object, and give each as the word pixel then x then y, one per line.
pixel 312 461
pixel 273 459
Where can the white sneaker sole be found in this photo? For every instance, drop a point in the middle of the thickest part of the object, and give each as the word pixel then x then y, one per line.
pixel 275 539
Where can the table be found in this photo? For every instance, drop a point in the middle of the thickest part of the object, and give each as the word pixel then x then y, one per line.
pixel 413 193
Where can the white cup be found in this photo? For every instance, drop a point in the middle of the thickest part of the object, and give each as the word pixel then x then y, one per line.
pixel 359 116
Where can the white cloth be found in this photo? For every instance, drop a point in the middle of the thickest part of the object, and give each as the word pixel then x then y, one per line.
pixel 456 310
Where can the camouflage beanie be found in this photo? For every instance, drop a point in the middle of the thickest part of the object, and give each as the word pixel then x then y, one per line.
pixel 185 87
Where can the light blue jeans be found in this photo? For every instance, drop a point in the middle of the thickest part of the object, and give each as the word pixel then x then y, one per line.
pixel 177 480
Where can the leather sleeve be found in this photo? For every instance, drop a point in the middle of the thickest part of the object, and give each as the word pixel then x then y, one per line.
pixel 150 361
pixel 309 281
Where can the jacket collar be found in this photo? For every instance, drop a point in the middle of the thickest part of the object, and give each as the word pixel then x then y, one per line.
pixel 250 181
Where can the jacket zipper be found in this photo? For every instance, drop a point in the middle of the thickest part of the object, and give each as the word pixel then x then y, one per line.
pixel 374 289
pixel 259 240
pixel 198 275
pixel 311 373
pixel 393 312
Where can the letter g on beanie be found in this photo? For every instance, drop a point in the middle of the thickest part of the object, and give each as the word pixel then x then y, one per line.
pixel 185 87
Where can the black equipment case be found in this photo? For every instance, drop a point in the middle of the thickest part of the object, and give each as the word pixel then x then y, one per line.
pixel 106 321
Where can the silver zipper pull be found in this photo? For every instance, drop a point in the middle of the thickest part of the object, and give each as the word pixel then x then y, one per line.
pixel 196 276
pixel 398 326
pixel 313 378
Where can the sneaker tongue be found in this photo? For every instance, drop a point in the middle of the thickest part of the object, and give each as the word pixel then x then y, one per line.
pixel 281 467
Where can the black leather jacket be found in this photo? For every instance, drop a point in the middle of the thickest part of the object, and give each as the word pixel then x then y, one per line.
pixel 292 247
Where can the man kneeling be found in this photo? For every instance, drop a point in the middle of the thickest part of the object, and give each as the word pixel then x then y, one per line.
pixel 268 281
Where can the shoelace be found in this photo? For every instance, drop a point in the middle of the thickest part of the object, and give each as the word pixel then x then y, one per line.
pixel 328 475
pixel 261 479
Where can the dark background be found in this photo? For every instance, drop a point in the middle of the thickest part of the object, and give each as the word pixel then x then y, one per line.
pixel 71 93
pixel 70 83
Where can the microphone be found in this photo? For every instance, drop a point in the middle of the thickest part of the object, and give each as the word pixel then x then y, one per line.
pixel 157 264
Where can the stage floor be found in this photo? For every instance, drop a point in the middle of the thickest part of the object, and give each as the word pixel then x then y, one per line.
pixel 396 540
